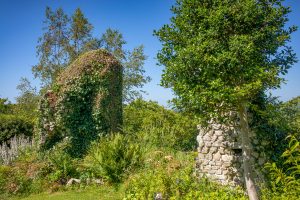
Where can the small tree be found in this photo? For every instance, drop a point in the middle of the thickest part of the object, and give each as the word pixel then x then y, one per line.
pixel 220 54
pixel 132 61
pixel 80 39
pixel 27 101
pixel 51 48
pixel 63 40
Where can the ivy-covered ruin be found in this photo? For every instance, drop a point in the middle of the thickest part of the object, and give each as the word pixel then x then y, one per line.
pixel 84 102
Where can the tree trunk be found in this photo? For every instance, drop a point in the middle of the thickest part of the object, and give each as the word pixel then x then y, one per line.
pixel 246 147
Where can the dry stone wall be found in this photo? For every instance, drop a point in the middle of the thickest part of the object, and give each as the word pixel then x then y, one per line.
pixel 220 155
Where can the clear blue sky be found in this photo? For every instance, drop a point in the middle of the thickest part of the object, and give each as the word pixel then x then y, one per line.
pixel 21 25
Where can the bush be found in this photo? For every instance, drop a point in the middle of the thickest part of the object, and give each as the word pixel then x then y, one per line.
pixel 160 127
pixel 172 177
pixel 24 176
pixel 112 157
pixel 11 125
pixel 60 165
pixel 285 183
pixel 273 121
pixel 35 172
pixel 14 181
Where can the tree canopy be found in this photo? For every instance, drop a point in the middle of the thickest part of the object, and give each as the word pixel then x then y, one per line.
pixel 224 52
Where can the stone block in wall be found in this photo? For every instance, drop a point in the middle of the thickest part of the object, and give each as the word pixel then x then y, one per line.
pixel 226 164
pixel 215 167
pixel 212 163
pixel 218 132
pixel 221 150
pixel 205 150
pixel 207 137
pixel 227 158
pixel 214 138
pixel 218 163
pixel 213 150
pixel 217 156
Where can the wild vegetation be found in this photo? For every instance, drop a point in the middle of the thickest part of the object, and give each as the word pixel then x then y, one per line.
pixel 94 138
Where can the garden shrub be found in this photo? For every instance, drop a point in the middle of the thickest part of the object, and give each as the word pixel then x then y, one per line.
pixel 35 172
pixel 172 177
pixel 60 165
pixel 14 180
pixel 85 101
pixel 12 125
pixel 160 127
pixel 24 176
pixel 113 157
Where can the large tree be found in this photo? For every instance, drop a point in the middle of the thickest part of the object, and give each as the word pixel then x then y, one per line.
pixel 220 54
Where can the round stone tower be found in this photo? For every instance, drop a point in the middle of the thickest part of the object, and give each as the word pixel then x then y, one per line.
pixel 220 155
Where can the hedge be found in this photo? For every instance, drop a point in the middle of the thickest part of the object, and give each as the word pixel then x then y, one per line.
pixel 11 125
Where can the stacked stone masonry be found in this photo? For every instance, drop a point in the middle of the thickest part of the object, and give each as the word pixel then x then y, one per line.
pixel 220 156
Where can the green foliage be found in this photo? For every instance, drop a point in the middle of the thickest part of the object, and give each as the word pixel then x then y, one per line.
pixel 172 176
pixel 134 74
pixel 12 125
pixel 51 46
pixel 24 176
pixel 63 40
pixel 132 62
pixel 27 101
pixel 290 111
pixel 3 175
pixel 5 106
pixel 60 164
pixel 85 102
pixel 286 182
pixel 273 121
pixel 80 36
pixel 14 182
pixel 113 41
pixel 35 172
pixel 113 157
pixel 219 54
pixel 159 127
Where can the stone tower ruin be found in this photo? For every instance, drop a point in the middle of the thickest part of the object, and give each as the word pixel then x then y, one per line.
pixel 220 155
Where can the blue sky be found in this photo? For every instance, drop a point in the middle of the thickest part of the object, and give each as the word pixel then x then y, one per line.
pixel 21 25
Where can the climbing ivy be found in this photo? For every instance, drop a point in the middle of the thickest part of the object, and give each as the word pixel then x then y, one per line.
pixel 84 103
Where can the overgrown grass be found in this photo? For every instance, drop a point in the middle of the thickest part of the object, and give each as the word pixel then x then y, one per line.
pixel 99 193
